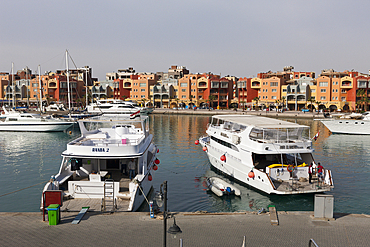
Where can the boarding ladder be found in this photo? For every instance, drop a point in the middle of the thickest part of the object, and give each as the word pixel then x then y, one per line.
pixel 109 198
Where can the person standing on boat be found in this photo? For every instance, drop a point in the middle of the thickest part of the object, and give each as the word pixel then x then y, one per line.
pixel 131 167
pixel 320 170
pixel 310 173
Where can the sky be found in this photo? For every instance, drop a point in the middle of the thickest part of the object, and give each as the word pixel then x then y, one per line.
pixel 227 37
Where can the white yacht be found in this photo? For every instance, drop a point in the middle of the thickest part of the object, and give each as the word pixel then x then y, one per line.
pixel 12 120
pixel 117 106
pixel 354 124
pixel 95 167
pixel 268 154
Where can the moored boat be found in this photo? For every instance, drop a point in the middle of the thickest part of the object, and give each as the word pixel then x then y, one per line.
pixel 268 154
pixel 111 163
pixel 19 121
pixel 353 124
pixel 117 107
pixel 220 187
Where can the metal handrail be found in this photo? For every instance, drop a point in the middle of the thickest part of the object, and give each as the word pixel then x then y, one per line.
pixel 312 242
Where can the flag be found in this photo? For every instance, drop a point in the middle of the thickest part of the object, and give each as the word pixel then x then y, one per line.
pixel 316 136
pixel 134 115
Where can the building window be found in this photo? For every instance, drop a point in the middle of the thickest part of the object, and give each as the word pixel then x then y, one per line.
pixel 273 84
pixel 343 98
pixel 322 98
pixel 284 90
pixel 273 97
pixel 183 90
pixel 361 84
pixel 183 96
pixel 143 90
pixel 142 84
pixel 274 90
pixel 313 90
pixel 183 84
pixel 323 84
pixel 142 96
pixel 344 91
pixel 336 98
pixel 323 90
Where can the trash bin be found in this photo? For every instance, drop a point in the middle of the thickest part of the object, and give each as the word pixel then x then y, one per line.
pixel 53 214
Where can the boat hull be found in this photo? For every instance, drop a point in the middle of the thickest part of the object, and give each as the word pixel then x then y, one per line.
pixel 35 126
pixel 348 126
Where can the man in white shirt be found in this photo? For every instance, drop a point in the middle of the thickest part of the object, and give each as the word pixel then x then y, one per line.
pixel 131 167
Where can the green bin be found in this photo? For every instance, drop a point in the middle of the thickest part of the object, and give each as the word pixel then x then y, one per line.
pixel 53 214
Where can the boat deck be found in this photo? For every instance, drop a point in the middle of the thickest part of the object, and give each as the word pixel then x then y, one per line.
pixel 75 205
pixel 295 186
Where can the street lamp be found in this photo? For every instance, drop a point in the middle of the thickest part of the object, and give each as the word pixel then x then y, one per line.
pixel 161 199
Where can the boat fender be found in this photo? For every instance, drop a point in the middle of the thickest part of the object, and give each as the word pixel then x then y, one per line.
pixel 290 168
pixel 228 189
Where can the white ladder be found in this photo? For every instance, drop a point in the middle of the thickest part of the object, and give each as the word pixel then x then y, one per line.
pixel 109 195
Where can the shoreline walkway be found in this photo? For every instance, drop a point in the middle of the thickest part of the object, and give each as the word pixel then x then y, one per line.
pixel 218 229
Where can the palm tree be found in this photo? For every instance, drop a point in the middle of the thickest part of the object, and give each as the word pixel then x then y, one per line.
pixel 211 98
pixel 311 100
pixel 243 104
pixel 191 99
pixel 256 99
pixel 177 103
pixel 143 100
pixel 364 100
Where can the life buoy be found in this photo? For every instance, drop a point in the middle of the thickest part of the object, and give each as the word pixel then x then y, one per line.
pixel 290 168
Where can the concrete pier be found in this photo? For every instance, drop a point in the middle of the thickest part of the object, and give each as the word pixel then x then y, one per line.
pixel 219 229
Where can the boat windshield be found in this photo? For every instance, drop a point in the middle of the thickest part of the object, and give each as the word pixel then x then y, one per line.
pixel 227 125
pixel 280 135
pixel 109 122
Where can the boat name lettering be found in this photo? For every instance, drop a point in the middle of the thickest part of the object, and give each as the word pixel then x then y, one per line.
pixel 224 135
pixel 100 150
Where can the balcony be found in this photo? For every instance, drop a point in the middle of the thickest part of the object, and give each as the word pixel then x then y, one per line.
pixel 346 84
pixel 256 85
pixel 215 85
pixel 202 85
pixel 52 85
pixel 127 85
pixel 224 84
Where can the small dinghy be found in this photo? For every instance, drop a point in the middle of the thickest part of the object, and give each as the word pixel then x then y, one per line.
pixel 221 187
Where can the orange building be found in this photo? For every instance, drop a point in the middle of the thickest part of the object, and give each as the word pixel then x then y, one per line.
pixel 140 86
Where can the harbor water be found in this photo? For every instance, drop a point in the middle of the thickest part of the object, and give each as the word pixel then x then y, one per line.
pixel 27 160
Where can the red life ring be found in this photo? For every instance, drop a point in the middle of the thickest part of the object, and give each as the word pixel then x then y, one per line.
pixel 290 168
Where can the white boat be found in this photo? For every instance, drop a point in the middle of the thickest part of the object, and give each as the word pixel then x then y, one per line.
pixel 19 121
pixel 354 124
pixel 94 169
pixel 268 154
pixel 220 187
pixel 117 106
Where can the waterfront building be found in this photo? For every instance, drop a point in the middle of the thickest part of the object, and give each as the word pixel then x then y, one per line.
pixel 246 93
pixel 299 92
pixel 140 85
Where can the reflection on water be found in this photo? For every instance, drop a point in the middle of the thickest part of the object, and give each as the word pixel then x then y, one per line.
pixel 27 159
pixel 30 158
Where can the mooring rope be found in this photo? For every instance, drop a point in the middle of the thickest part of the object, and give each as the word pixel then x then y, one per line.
pixel 23 188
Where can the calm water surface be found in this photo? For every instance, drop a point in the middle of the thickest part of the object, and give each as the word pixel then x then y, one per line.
pixel 27 159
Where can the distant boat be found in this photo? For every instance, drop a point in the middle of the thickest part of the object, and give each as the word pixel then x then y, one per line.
pixel 221 187
pixel 353 124
pixel 117 107
pixel 18 121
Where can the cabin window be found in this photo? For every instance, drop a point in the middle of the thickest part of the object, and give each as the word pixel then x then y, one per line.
pixel 226 144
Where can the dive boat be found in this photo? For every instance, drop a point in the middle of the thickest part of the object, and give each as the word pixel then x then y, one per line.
pixel 12 120
pixel 117 107
pixel 268 154
pixel 220 187
pixel 110 166
pixel 353 124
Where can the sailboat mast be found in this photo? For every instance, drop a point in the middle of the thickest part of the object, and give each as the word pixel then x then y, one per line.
pixel 86 88
pixel 13 90
pixel 69 96
pixel 40 88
